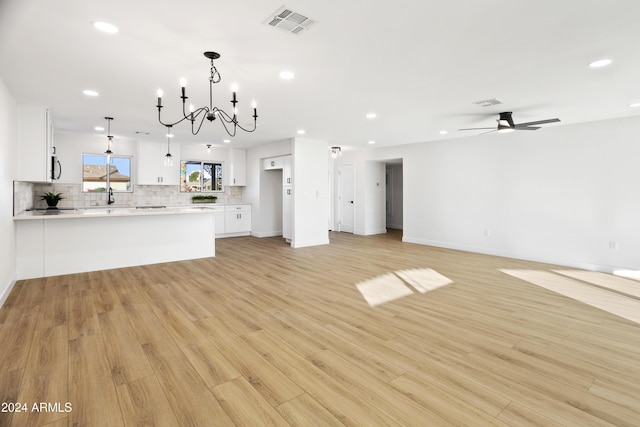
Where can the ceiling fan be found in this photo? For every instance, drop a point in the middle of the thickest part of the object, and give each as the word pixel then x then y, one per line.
pixel 506 124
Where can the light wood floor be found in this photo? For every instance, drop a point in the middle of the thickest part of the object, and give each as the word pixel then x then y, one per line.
pixel 264 335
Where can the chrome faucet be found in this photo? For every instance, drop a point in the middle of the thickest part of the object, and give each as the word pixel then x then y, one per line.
pixel 110 201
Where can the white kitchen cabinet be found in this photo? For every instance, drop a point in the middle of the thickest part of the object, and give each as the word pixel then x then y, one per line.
pixel 35 144
pixel 286 171
pixel 237 170
pixel 237 220
pixel 151 167
pixel 272 163
pixel 287 212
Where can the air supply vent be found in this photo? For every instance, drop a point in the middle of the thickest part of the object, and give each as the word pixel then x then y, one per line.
pixel 289 20
pixel 488 102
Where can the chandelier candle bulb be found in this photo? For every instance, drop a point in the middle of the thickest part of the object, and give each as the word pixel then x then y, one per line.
pixel 183 86
pixel 159 98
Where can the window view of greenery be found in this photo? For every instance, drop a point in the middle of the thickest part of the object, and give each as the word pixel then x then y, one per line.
pixel 199 176
pixel 97 176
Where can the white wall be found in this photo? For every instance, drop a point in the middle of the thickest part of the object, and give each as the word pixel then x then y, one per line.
pixel 8 158
pixel 561 194
pixel 310 193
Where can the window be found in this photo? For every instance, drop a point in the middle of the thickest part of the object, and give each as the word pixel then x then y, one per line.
pixel 97 177
pixel 200 176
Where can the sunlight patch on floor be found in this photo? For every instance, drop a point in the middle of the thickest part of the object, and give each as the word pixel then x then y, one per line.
pixel 612 302
pixel 619 284
pixel 423 279
pixel 391 286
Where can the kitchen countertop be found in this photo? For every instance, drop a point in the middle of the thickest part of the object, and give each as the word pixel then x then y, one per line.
pixel 116 210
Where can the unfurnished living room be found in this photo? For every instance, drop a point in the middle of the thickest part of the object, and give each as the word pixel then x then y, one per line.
pixel 319 213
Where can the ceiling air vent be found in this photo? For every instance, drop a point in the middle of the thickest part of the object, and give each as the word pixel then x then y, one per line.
pixel 488 102
pixel 288 20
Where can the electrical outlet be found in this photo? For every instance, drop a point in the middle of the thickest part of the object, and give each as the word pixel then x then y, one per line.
pixel 487 232
pixel 613 245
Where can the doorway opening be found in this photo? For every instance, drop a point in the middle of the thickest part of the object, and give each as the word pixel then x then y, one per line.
pixel 394 197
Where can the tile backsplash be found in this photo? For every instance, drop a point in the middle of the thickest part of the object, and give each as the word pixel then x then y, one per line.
pixel 27 196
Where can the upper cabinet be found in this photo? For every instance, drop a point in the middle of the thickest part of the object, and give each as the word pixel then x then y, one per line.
pixel 151 167
pixel 237 170
pixel 272 163
pixel 35 144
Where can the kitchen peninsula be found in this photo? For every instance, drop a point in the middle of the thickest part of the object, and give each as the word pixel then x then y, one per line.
pixel 81 240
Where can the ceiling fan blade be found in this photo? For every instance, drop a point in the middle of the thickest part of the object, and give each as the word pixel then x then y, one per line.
pixel 494 128
pixel 538 122
pixel 527 127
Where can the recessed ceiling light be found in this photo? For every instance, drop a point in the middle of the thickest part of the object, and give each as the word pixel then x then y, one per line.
pixel 635 104
pixel 600 63
pixel 371 115
pixel 301 132
pixel 98 128
pixel 90 92
pixel 105 27
pixel 372 142
pixel 443 132
pixel 287 75
pixel 227 141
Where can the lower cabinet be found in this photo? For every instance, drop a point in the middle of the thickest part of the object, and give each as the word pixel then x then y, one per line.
pixel 237 221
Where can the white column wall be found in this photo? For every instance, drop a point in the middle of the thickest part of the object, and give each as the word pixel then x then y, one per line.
pixel 310 193
pixel 8 159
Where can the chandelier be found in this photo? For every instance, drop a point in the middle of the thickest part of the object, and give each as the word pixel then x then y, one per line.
pixel 197 116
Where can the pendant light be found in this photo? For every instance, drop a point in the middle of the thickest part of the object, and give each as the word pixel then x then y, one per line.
pixel 109 139
pixel 168 158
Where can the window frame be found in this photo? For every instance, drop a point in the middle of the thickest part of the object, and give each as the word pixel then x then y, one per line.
pixel 108 174
pixel 184 175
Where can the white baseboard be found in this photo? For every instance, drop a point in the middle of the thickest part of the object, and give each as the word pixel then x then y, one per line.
pixel 267 234
pixel 298 244
pixel 7 291
pixel 370 232
pixel 567 262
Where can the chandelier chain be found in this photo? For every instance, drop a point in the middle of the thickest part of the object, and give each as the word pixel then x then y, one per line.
pixel 215 75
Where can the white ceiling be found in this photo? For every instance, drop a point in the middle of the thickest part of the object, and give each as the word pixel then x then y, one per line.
pixel 419 65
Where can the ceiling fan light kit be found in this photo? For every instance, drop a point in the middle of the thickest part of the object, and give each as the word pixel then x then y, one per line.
pixel 210 112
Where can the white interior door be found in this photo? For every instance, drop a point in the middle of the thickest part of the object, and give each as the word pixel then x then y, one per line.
pixel 346 198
